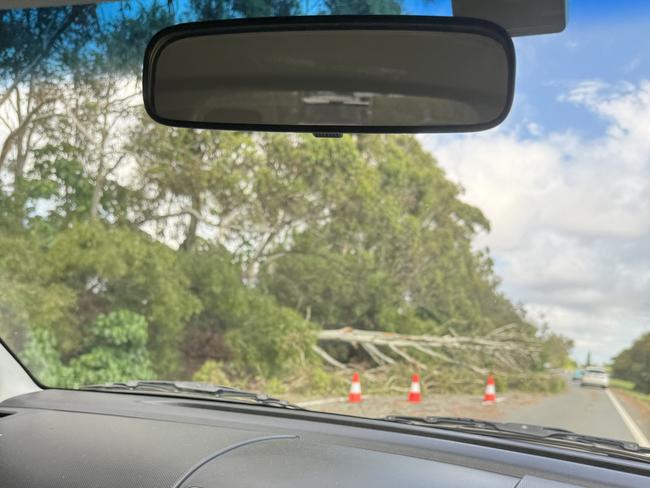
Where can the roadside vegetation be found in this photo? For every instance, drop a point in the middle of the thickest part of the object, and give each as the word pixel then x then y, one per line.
pixel 133 250
pixel 629 388
pixel 631 368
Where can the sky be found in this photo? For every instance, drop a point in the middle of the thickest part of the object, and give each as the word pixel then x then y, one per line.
pixel 565 181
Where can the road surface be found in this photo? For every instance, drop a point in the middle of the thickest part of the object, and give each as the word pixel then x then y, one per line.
pixel 584 410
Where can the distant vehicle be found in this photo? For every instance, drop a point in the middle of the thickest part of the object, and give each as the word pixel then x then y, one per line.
pixel 595 377
pixel 578 374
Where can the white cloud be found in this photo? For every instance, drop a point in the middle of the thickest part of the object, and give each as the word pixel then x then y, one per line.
pixel 570 215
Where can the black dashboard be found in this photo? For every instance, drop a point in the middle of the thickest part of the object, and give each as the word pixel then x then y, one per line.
pixel 61 438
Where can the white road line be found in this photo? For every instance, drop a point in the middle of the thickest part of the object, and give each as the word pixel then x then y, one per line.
pixel 638 435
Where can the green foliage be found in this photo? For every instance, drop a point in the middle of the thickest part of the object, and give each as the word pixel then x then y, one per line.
pixel 266 8
pixel 335 289
pixel 270 340
pixel 390 242
pixel 363 7
pixel 118 268
pixel 119 351
pixel 28 300
pixel 42 357
pixel 322 382
pixel 555 349
pixel 239 324
pixel 633 364
pixel 40 39
pixel 629 389
pixel 219 9
pixel 130 29
pixel 121 328
pixel 531 382
pixel 211 372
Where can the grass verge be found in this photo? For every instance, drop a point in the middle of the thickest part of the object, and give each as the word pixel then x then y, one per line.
pixel 628 387
pixel 396 380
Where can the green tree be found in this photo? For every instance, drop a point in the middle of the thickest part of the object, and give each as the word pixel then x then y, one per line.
pixel 272 340
pixel 391 243
pixel 191 178
pixel 556 349
pixel 114 268
pixel 34 58
pixel 363 7
pixel 633 364
pixel 119 351
pixel 42 357
pixel 239 326
pixel 28 299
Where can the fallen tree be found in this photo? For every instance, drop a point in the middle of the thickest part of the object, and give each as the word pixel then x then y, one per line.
pixel 502 347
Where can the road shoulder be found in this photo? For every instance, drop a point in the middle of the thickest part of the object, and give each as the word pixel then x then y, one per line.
pixel 638 410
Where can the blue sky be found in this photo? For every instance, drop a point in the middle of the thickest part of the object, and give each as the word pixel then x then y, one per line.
pixel 597 44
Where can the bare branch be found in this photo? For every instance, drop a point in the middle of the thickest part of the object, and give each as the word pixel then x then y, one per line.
pixel 375 352
pixel 18 131
pixel 406 357
pixel 329 359
pixel 79 126
pixel 507 352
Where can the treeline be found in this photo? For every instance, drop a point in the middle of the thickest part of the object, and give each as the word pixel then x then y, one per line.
pixel 633 364
pixel 129 249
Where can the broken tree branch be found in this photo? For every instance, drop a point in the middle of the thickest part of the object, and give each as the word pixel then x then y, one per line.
pixel 328 359
pixel 462 351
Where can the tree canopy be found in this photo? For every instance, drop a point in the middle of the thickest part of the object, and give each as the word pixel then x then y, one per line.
pixel 633 364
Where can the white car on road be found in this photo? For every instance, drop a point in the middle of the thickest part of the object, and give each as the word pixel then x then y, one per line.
pixel 595 377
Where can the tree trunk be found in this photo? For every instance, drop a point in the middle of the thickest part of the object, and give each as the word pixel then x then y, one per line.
pixel 190 237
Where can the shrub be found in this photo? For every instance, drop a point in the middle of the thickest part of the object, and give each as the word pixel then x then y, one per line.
pixel 270 339
pixel 530 382
pixel 633 364
pixel 42 357
pixel 211 372
pixel 119 352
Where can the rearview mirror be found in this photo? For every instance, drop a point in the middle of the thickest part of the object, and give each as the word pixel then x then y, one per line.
pixel 380 74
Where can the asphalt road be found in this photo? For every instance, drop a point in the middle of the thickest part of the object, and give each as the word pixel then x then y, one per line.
pixel 581 409
pixel 591 411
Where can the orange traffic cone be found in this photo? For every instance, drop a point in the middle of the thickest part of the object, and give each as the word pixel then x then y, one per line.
pixel 414 393
pixel 490 391
pixel 355 389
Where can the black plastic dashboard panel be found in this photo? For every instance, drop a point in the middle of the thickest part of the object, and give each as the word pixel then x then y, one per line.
pixel 58 438
pixel 299 463
pixel 534 482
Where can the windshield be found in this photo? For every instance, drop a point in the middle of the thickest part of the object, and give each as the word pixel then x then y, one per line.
pixel 472 275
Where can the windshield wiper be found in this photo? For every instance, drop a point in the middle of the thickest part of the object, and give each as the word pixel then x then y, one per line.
pixel 530 432
pixel 218 392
